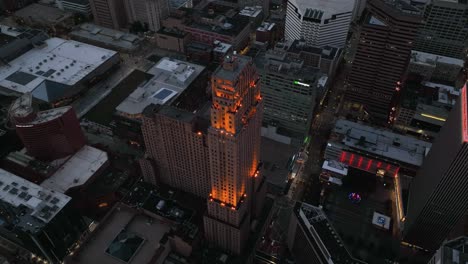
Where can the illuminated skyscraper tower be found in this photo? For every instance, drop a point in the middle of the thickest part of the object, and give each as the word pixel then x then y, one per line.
pixel 234 150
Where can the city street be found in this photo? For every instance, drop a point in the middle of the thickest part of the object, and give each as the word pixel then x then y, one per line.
pixel 307 186
pixel 130 62
pixel 103 88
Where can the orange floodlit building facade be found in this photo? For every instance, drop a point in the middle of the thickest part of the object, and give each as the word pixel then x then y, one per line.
pixel 234 153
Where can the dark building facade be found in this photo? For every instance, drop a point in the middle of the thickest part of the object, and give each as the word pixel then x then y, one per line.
pixel 444 31
pixel 437 199
pixel 47 135
pixel 312 239
pixel 383 52
pixel 109 13
pixel 12 5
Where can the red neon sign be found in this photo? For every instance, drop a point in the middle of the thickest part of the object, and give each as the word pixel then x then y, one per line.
pixel 343 156
pixel 464 106
pixel 366 164
pixel 360 162
pixel 369 164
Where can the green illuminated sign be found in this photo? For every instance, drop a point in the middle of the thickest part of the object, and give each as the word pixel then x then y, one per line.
pixel 301 83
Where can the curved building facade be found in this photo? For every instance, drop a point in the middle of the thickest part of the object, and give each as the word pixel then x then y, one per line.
pixel 47 135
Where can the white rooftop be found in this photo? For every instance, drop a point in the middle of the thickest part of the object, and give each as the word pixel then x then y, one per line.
pixel 22 106
pixel 171 77
pixel 251 11
pixel 48 115
pixel 328 7
pixel 77 170
pixel 43 203
pixel 381 220
pixel 322 81
pixel 382 142
pixel 335 166
pixel 106 36
pixel 10 31
pixel 266 26
pixel 59 60
pixel 221 47
pixel 420 57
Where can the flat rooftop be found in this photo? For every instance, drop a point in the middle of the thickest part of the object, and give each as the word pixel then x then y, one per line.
pixel 221 47
pixel 403 6
pixel 279 61
pixel 382 142
pixel 48 115
pixel 455 251
pixel 320 229
pixel 335 166
pixel 431 114
pixel 35 205
pixel 266 26
pixel 251 11
pixel 125 235
pixel 420 57
pixel 171 78
pixel 433 94
pixel 442 88
pixel 298 46
pixel 22 107
pixel 228 26
pixel 323 9
pixel 275 157
pixel 168 203
pixel 60 61
pixel 173 32
pixel 176 4
pixel 106 36
pixel 77 170
pixel 43 14
pixel 353 221
pixel 10 31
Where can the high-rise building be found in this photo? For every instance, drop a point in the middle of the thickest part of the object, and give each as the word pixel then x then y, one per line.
pixel 47 135
pixel 383 52
pixel 445 29
pixel 211 148
pixel 148 12
pixel 319 22
pixel 452 252
pixel 79 6
pixel 312 238
pixel 177 153
pixel 438 196
pixel 290 89
pixel 109 13
pixel 234 152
